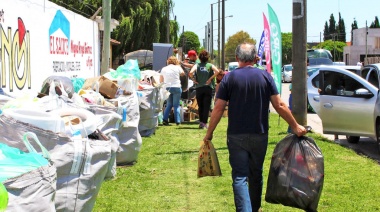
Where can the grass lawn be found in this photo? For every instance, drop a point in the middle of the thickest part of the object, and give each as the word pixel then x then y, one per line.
pixel 165 176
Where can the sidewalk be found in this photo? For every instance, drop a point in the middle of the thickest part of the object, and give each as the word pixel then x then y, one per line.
pixel 313 121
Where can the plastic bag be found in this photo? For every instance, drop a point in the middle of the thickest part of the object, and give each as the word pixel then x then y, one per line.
pixel 14 162
pixel 296 173
pixel 208 163
pixel 63 86
pixel 129 70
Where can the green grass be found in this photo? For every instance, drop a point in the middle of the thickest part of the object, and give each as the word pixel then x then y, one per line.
pixel 165 176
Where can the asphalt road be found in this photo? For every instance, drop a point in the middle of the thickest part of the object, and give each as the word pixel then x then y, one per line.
pixel 366 146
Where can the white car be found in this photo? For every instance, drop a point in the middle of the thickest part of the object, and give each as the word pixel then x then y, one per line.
pixel 232 66
pixel 346 103
pixel 286 73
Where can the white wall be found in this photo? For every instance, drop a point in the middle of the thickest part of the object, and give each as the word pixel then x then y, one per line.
pixel 39 39
pixel 359 45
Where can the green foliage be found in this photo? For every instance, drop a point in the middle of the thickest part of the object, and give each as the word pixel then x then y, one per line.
pixel 335 47
pixel 375 23
pixel 333 31
pixel 189 41
pixel 341 30
pixel 354 25
pixel 233 41
pixel 165 176
pixel 287 45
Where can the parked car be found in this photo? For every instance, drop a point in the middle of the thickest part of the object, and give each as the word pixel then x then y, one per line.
pixel 319 53
pixel 286 73
pixel 232 66
pixel 371 73
pixel 346 103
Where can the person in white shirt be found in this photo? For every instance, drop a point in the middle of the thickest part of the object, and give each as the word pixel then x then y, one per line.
pixel 171 74
pixel 359 63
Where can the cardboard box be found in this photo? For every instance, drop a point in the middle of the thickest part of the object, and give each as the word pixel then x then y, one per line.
pixel 107 87
pixel 188 116
pixel 90 83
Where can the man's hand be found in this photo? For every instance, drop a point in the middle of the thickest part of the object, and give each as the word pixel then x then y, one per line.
pixel 299 130
pixel 207 137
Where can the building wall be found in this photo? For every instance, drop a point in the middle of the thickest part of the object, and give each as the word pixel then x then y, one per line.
pixel 356 52
pixel 39 39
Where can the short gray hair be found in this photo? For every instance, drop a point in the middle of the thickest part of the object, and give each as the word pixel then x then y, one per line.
pixel 246 52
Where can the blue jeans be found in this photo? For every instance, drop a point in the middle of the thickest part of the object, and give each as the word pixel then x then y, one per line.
pixel 173 101
pixel 247 154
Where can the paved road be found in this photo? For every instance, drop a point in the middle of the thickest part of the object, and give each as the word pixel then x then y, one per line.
pixel 366 146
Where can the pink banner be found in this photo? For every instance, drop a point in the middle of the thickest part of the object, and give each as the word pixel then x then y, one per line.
pixel 267 44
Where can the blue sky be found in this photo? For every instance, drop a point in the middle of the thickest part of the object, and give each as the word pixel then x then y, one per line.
pixel 248 15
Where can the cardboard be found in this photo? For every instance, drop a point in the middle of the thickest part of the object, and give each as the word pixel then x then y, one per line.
pixel 107 87
pixel 89 83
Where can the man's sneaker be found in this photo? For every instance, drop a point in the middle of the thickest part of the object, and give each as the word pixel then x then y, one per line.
pixel 201 125
pixel 165 123
pixel 205 126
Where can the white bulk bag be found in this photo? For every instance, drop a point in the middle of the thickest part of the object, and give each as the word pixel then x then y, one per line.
pixel 82 164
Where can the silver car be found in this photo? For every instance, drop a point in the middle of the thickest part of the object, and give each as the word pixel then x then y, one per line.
pixel 286 73
pixel 346 103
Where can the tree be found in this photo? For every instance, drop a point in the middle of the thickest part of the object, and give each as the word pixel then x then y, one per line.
pixel 233 41
pixel 189 41
pixel 287 47
pixel 354 25
pixel 335 47
pixel 375 24
pixel 341 29
pixel 332 27
pixel 326 32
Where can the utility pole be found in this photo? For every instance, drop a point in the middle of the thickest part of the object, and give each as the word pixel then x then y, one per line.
pixel 212 33
pixel 299 103
pixel 223 33
pixel 106 36
pixel 168 25
pixel 219 33
pixel 366 43
pixel 206 40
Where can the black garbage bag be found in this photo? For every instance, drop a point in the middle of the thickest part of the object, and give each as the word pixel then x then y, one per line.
pixel 296 173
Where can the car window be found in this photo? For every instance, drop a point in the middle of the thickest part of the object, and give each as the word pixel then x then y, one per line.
pixel 288 68
pixel 372 78
pixel 364 72
pixel 311 71
pixel 315 81
pixel 338 84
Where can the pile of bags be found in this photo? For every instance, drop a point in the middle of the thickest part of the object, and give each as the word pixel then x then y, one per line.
pixel 58 147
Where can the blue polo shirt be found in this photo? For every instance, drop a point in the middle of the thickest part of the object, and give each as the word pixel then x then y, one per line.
pixel 248 91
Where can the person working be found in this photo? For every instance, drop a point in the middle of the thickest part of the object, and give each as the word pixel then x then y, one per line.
pixel 204 80
pixel 248 91
pixel 171 74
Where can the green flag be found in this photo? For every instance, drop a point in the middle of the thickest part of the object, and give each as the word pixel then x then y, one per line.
pixel 276 47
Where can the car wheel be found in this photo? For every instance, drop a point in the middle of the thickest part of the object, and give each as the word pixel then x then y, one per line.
pixel 352 139
pixel 378 134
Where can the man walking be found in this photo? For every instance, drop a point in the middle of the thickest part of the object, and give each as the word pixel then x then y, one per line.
pixel 248 91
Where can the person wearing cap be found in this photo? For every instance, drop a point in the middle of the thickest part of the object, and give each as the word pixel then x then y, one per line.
pixel 204 80
pixel 193 59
